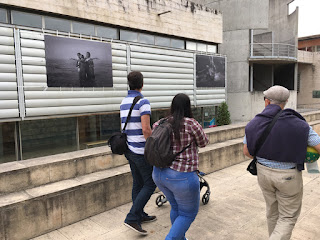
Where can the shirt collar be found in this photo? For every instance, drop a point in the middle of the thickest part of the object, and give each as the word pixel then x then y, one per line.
pixel 134 93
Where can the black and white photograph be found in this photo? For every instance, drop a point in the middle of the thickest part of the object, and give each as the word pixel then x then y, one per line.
pixel 78 63
pixel 210 71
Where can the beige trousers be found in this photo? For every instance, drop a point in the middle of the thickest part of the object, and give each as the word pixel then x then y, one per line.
pixel 282 191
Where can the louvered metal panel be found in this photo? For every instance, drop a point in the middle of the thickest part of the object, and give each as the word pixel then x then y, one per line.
pixel 166 73
pixel 7 50
pixel 41 100
pixel 35 61
pixel 213 96
pixel 8 76
pixel 7 59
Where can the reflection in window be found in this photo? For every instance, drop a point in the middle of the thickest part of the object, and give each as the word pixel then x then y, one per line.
pixel 163 41
pixel 201 47
pixel 191 45
pixel 7 142
pixel 212 48
pixel 26 19
pixel 146 38
pixel 48 137
pixel 94 130
pixel 3 16
pixel 107 32
pixel 57 24
pixel 83 28
pixel 176 43
pixel 128 36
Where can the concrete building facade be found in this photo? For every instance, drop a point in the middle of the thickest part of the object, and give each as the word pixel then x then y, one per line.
pixel 309 72
pixel 260 41
pixel 162 39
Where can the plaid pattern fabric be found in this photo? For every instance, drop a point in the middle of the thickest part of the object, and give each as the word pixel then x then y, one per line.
pixel 190 132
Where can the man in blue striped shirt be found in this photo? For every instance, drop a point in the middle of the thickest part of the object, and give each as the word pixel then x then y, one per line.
pixel 138 130
pixel 280 160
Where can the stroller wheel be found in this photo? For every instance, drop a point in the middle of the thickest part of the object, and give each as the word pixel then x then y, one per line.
pixel 160 200
pixel 205 198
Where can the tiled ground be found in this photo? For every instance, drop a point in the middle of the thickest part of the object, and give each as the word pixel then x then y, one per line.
pixel 236 210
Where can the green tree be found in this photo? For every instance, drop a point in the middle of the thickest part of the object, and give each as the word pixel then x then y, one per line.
pixel 223 115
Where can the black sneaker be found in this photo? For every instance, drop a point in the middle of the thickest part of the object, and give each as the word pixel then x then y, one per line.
pixel 147 218
pixel 136 227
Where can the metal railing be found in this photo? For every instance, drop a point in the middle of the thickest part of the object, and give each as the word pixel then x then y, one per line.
pixel 273 50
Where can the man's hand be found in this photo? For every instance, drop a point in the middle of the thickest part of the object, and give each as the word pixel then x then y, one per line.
pixel 317 147
pixel 246 151
pixel 146 129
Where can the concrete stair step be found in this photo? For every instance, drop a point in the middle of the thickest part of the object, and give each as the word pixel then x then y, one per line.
pixel 32 212
pixel 17 176
pixel 56 191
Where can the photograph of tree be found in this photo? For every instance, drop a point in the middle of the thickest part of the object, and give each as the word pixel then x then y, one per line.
pixel 210 71
pixel 77 63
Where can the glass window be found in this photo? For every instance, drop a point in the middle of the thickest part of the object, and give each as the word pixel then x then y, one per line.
pixel 57 24
pixel 146 38
pixel 48 137
pixel 201 47
pixel 191 45
pixel 176 43
pixel 212 48
pixel 83 28
pixel 109 124
pixel 107 32
pixel 128 36
pixel 318 48
pixel 26 19
pixel 7 142
pixel 3 16
pixel 163 41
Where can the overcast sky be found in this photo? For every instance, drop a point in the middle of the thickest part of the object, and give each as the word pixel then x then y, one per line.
pixel 309 16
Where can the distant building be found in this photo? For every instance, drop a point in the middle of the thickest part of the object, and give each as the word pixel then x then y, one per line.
pixel 309 43
pixel 309 72
pixel 260 41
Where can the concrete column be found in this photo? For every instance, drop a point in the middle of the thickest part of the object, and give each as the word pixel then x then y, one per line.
pixel 295 77
pixel 1 141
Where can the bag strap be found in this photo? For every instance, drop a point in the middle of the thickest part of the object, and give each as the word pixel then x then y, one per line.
pixel 265 133
pixel 135 100
pixel 183 149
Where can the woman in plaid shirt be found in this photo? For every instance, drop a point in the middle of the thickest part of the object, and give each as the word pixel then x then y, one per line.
pixel 180 182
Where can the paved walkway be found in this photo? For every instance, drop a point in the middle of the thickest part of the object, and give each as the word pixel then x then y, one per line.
pixel 236 210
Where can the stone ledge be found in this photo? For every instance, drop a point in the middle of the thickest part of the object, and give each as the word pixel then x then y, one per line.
pixel 17 176
pixel 39 210
pixel 36 211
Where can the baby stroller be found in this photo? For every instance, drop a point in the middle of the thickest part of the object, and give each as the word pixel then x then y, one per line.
pixel 161 199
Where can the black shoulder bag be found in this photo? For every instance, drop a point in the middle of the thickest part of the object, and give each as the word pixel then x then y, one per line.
pixel 252 167
pixel 118 141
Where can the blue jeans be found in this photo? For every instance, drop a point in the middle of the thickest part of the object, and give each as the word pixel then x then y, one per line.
pixel 182 190
pixel 142 188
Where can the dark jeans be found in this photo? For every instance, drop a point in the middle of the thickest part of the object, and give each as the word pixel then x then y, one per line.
pixel 142 188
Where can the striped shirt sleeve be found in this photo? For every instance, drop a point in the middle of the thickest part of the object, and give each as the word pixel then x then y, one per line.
pixel 144 107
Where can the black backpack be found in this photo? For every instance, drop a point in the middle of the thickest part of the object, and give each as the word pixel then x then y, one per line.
pixel 158 149
pixel 118 141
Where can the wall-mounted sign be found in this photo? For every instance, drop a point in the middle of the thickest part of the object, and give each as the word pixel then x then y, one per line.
pixel 78 63
pixel 210 71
